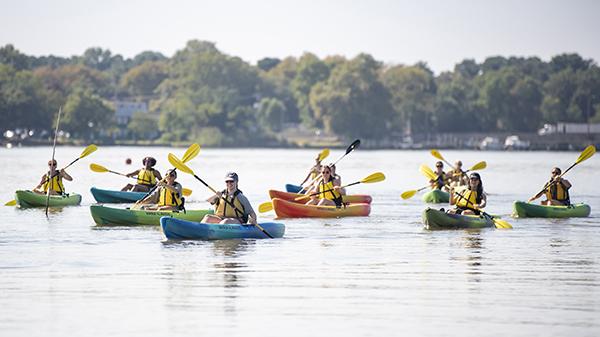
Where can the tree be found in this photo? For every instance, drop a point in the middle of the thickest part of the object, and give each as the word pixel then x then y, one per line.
pixel 310 71
pixel 84 114
pixel 271 113
pixel 267 63
pixel 145 78
pixel 143 126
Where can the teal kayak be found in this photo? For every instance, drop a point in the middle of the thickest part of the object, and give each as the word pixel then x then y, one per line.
pixel 116 197
pixel 436 197
pixel 177 229
pixel 29 199
pixel 435 219
pixel 109 216
pixel 523 209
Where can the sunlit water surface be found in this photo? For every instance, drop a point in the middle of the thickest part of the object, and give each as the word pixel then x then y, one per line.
pixel 382 275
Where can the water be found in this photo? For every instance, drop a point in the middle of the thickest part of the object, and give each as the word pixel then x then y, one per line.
pixel 382 275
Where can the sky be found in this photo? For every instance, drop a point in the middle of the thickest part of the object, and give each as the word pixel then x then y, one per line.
pixel 440 33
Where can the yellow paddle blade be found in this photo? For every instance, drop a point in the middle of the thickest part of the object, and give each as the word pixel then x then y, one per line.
pixel 186 191
pixel 427 172
pixel 479 166
pixel 586 154
pixel 88 150
pixel 408 194
pixel 191 152
pixel 98 168
pixel 502 224
pixel 265 207
pixel 437 154
pixel 11 203
pixel 324 154
pixel 179 165
pixel 373 178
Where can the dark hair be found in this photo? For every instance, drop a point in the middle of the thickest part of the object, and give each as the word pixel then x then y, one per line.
pixel 149 160
pixel 557 170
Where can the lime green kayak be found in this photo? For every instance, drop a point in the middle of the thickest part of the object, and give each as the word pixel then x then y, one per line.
pixel 29 199
pixel 435 219
pixel 436 197
pixel 109 216
pixel 523 209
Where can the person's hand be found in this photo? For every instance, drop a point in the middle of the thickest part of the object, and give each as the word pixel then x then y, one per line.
pixel 219 194
pixel 337 188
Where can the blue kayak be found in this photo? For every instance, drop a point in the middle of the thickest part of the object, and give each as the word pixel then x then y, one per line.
pixel 116 197
pixel 292 188
pixel 177 229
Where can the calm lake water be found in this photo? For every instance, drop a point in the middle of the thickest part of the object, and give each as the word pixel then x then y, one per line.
pixel 382 275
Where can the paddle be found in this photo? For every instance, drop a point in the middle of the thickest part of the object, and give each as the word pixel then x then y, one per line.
pixel 429 174
pixel 53 152
pixel 189 154
pixel 438 155
pixel 410 193
pixel 499 223
pixel 585 155
pixel 178 164
pixel 322 155
pixel 355 144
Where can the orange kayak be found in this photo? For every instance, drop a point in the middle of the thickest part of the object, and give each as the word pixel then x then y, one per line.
pixel 351 199
pixel 288 209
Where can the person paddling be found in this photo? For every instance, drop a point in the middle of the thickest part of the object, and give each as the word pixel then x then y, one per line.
pixel 314 171
pixel 457 176
pixel 556 190
pixel 469 200
pixel 440 180
pixel 168 195
pixel 146 177
pixel 53 180
pixel 224 201
pixel 328 187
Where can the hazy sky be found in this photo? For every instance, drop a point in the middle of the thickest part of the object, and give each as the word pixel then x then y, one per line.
pixel 440 33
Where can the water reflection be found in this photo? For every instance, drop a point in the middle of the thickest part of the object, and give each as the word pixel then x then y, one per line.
pixel 473 242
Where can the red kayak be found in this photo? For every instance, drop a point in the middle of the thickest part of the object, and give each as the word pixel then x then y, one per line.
pixel 288 209
pixel 351 199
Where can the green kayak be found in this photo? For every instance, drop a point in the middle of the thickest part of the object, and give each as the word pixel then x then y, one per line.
pixel 28 199
pixel 523 209
pixel 435 219
pixel 436 197
pixel 109 216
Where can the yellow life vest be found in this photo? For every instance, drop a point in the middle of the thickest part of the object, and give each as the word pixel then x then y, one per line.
pixel 55 184
pixel 168 198
pixel 330 195
pixel 146 177
pixel 465 195
pixel 225 210
pixel 439 181
pixel 557 192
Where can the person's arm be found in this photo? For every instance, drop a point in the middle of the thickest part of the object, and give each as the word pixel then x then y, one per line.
pixel 566 183
pixel 546 186
pixel 248 209
pixel 65 175
pixel 152 198
pixel 213 200
pixel 307 177
pixel 157 175
pixel 452 199
pixel 133 174
pixel 42 181
pixel 483 202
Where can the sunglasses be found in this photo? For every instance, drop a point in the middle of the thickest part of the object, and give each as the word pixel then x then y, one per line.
pixel 474 179
pixel 51 164
pixel 229 181
pixel 555 172
pixel 438 166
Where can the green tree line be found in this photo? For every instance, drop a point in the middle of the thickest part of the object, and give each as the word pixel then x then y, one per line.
pixel 201 94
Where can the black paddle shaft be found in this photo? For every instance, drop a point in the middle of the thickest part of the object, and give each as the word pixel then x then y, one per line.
pixel 472 209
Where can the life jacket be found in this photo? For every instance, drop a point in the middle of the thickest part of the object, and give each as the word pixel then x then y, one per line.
pixel 146 177
pixel 168 198
pixel 558 192
pixel 55 183
pixel 332 195
pixel 225 210
pixel 467 194
pixel 439 181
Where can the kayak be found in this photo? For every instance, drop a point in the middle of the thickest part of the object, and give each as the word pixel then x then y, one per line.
pixel 293 188
pixel 436 197
pixel 435 219
pixel 116 197
pixel 352 199
pixel 177 229
pixel 523 209
pixel 288 209
pixel 109 216
pixel 27 199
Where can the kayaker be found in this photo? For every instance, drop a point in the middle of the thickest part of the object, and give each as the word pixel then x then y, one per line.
pixel 328 187
pixel 457 176
pixel 168 195
pixel 314 171
pixel 223 201
pixel 146 177
pixel 468 200
pixel 556 190
pixel 54 177
pixel 441 178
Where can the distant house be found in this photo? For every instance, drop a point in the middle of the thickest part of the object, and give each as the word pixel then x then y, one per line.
pixel 124 110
